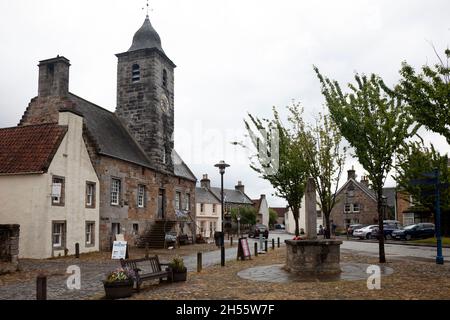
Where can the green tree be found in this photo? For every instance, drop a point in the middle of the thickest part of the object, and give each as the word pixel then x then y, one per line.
pixel 428 94
pixel 273 217
pixel 279 160
pixel 375 122
pixel 325 157
pixel 414 159
pixel 247 214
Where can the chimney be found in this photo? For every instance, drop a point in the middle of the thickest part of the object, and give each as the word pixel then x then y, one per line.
pixel 53 77
pixel 205 182
pixel 240 187
pixel 351 174
pixel 365 181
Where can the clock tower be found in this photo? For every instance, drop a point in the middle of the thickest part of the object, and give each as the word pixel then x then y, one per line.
pixel 145 95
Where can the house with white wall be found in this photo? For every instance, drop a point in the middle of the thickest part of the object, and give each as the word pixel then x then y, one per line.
pixel 290 221
pixel 208 213
pixel 262 210
pixel 49 187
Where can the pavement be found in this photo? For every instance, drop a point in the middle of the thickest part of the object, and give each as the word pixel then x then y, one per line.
pixel 93 272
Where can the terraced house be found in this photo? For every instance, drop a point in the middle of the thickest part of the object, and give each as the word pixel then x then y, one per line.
pixel 145 189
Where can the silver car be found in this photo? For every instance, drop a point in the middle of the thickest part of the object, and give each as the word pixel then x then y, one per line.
pixel 366 232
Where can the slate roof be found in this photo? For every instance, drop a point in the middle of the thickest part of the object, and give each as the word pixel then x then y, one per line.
pixel 280 211
pixel 232 196
pixel 389 193
pixel 29 149
pixel 146 37
pixel 112 138
pixel 203 195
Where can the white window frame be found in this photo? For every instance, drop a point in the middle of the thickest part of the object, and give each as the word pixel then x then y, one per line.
pixel 141 196
pixel 90 194
pixel 358 206
pixel 187 201
pixel 57 231
pixel 347 206
pixel 214 208
pixel 57 190
pixel 90 232
pixel 178 200
pixel 202 207
pixel 116 186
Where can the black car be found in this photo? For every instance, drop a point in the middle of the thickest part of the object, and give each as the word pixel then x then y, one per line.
pixel 420 230
pixel 258 229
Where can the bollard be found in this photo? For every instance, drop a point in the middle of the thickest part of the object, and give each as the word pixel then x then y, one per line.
pixel 231 241
pixel 199 261
pixel 273 244
pixel 77 250
pixel 278 242
pixel 256 249
pixel 222 256
pixel 41 287
pixel 265 246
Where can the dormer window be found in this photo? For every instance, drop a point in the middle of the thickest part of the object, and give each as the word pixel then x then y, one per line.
pixel 165 78
pixel 135 73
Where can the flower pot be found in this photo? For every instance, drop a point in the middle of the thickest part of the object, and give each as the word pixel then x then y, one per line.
pixel 118 289
pixel 179 275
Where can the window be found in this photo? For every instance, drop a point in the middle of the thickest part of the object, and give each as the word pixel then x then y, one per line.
pixel 58 234
pixel 165 78
pixel 115 191
pixel 58 189
pixel 115 228
pixel 90 195
pixel 135 73
pixel 347 207
pixel 135 228
pixel 141 196
pixel 161 203
pixel 202 207
pixel 356 207
pixel 187 204
pixel 90 232
pixel 214 208
pixel 178 200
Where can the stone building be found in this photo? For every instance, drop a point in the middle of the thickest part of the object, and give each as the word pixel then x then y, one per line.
pixel 357 203
pixel 49 189
pixel 146 190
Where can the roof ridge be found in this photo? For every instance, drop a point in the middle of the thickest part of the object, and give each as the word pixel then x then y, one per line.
pixel 34 125
pixel 95 105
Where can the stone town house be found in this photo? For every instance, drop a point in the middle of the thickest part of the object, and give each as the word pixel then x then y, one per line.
pixel 357 203
pixel 145 188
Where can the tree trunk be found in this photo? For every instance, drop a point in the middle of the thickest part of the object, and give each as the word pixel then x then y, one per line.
pixel 327 233
pixel 382 256
pixel 295 211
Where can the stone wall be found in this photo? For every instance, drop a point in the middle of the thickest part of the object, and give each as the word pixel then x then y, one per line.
pixel 9 247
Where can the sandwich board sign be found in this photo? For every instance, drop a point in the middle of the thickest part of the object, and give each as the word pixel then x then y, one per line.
pixel 119 250
pixel 243 249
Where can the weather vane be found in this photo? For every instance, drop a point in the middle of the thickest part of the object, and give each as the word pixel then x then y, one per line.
pixel 147 5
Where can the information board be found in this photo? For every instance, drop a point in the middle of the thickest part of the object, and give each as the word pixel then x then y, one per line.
pixel 119 250
pixel 243 249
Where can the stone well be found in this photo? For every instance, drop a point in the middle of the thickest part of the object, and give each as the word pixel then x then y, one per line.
pixel 313 257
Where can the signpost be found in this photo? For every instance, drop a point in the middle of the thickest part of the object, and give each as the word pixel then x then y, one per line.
pixel 434 180
pixel 243 249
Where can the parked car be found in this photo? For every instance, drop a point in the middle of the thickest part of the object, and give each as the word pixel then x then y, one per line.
pixel 258 229
pixel 420 230
pixel 354 227
pixel 389 226
pixel 279 226
pixel 366 232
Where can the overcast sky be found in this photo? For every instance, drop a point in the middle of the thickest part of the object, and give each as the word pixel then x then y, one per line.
pixel 232 57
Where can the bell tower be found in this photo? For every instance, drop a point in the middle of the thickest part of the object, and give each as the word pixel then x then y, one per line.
pixel 145 95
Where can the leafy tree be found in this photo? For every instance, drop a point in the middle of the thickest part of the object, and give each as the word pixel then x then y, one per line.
pixel 279 160
pixel 375 122
pixel 325 157
pixel 247 214
pixel 273 217
pixel 414 159
pixel 428 94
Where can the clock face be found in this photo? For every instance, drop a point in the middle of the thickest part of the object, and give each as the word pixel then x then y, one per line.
pixel 164 103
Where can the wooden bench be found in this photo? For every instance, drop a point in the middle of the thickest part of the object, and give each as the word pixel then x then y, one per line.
pixel 146 269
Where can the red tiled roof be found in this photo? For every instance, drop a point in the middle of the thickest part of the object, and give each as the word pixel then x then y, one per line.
pixel 29 149
pixel 280 211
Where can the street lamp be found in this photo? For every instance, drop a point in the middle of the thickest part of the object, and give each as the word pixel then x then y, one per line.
pixel 239 224
pixel 222 165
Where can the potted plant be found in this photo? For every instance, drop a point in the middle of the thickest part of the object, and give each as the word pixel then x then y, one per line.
pixel 119 283
pixel 179 271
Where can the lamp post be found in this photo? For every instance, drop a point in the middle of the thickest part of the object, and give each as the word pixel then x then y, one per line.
pixel 222 165
pixel 239 224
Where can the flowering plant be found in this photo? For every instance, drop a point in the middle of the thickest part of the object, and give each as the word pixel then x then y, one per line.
pixel 121 274
pixel 177 264
pixel 297 238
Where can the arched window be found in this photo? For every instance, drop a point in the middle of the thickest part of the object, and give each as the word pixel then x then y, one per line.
pixel 165 78
pixel 135 73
